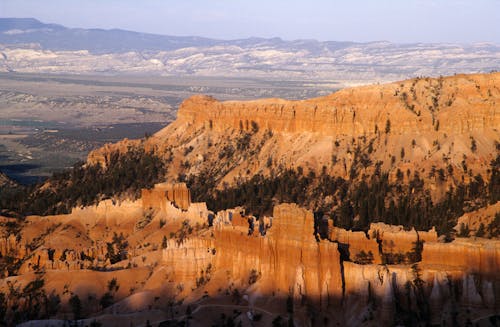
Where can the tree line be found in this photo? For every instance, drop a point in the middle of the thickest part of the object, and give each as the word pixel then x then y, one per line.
pixel 351 204
pixel 125 174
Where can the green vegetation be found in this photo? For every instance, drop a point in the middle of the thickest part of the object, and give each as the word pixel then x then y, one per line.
pixel 370 199
pixel 464 230
pixel 391 258
pixel 480 231
pixel 31 302
pixel 76 307
pixel 494 226
pixel 108 298
pixel 117 249
pixel 473 144
pixel 494 186
pixel 125 174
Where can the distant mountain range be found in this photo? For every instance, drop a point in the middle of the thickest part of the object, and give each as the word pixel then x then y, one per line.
pixel 28 45
pixel 98 41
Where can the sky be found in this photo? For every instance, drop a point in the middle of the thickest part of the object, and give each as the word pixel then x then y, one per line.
pixel 401 21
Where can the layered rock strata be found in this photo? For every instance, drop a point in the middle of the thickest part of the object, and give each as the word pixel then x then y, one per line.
pixel 272 257
pixel 356 111
pixel 447 126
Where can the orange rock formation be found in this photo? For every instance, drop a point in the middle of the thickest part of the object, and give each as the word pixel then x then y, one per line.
pixel 356 111
pixel 283 259
pixel 395 239
pixel 427 119
pixel 177 194
pixel 171 252
pixel 478 256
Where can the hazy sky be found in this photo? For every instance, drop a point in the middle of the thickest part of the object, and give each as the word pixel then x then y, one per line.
pixel 348 20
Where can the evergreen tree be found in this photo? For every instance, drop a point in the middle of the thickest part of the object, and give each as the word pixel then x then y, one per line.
pixel 76 306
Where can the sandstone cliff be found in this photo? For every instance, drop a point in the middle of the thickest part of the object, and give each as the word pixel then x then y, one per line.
pixel 177 194
pixel 414 107
pixel 395 239
pixel 419 125
pixel 479 256
pixel 288 260
pixel 265 260
pixel 167 250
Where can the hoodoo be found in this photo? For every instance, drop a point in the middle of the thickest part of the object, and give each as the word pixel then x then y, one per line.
pixel 372 206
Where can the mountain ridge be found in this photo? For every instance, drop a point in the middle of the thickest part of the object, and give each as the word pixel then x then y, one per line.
pixel 96 51
pixel 428 119
pixel 20 26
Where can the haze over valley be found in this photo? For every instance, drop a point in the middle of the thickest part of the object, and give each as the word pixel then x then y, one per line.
pixel 31 46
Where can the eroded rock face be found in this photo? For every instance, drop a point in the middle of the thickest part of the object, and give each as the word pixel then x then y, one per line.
pixel 394 239
pixel 81 240
pixel 315 263
pixel 281 255
pixel 178 194
pixel 425 119
pixel 356 111
pixel 189 260
pixel 287 261
pixel 355 243
pixel 444 291
pixel 478 256
pixel 10 244
pixel 290 261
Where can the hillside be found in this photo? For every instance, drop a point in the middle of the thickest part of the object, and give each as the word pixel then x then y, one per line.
pixel 164 259
pixel 363 207
pixel 453 117
pixel 422 152
pixel 5 181
pixel 434 135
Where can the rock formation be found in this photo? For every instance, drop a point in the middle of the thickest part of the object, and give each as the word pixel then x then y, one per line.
pixel 355 112
pixel 408 126
pixel 394 239
pixel 276 257
pixel 288 260
pixel 177 194
pixel 354 243
pixel 478 256
pixel 166 251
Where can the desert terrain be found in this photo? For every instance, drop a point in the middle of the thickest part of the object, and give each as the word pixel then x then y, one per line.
pixel 374 205
pixel 30 46
pixel 50 122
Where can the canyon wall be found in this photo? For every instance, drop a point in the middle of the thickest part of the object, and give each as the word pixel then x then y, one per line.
pixel 447 125
pixel 177 194
pixel 80 240
pixel 475 256
pixel 287 261
pixel 290 261
pixel 394 239
pixel 356 111
pixel 356 243
pixel 272 257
